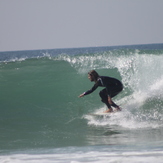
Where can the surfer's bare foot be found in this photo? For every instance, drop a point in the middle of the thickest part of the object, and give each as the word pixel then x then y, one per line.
pixel 109 110
pixel 118 109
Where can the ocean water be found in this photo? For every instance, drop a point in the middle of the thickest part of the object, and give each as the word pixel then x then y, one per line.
pixel 43 120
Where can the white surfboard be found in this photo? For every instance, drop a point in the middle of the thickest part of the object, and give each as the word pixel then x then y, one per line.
pixel 101 114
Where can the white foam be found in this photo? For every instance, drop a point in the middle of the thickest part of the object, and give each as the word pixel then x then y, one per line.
pixel 157 87
pixel 127 119
pixel 96 156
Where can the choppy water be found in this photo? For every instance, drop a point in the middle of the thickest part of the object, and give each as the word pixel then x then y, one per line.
pixel 43 120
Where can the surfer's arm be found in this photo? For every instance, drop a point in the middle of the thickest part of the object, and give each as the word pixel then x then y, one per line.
pixel 90 91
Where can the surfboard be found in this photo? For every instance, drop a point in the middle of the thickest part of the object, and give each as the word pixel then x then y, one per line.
pixel 100 114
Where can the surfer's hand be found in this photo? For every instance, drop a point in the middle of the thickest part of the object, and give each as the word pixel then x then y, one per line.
pixel 81 95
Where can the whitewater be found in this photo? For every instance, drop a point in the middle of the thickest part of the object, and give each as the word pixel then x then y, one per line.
pixel 43 120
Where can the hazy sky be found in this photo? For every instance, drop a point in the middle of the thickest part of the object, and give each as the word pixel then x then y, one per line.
pixel 49 24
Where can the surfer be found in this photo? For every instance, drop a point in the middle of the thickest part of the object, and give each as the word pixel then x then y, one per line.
pixel 112 88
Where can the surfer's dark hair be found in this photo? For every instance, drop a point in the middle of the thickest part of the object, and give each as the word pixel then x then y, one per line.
pixel 94 74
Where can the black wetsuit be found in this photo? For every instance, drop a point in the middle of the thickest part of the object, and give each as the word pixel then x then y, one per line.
pixel 112 88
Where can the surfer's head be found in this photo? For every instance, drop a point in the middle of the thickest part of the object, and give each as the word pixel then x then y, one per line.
pixel 93 75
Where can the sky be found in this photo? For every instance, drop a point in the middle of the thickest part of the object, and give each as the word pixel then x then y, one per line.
pixel 51 24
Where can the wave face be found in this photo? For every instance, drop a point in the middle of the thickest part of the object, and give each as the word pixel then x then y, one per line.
pixel 39 100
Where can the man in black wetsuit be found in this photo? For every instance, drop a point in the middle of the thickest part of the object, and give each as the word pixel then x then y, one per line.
pixel 112 88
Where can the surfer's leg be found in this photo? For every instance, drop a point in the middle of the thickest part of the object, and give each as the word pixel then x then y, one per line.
pixel 112 92
pixel 104 99
pixel 113 104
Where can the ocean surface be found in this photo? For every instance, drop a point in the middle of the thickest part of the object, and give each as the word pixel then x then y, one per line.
pixel 43 120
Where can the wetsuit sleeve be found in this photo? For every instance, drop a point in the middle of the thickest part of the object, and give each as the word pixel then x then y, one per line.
pixel 92 89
